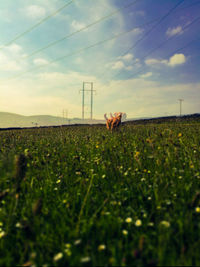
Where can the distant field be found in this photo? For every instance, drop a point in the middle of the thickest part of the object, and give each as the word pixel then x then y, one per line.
pixel 82 196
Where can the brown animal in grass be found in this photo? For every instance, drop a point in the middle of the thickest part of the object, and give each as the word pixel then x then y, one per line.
pixel 116 122
pixel 108 121
pixel 113 122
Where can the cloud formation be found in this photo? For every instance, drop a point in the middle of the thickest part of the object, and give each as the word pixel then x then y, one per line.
pixel 173 31
pixel 127 57
pixel 35 11
pixel 9 56
pixel 40 61
pixel 146 75
pixel 176 59
pixel 76 25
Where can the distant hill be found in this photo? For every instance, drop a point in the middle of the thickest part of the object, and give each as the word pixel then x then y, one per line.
pixel 12 120
pixel 15 120
pixel 184 118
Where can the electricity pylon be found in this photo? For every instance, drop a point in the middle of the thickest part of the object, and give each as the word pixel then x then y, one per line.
pixel 83 99
pixel 181 100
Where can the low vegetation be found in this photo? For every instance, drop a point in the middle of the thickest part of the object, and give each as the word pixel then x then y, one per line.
pixel 81 195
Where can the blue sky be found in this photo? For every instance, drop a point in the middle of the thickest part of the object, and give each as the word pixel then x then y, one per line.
pixel 147 80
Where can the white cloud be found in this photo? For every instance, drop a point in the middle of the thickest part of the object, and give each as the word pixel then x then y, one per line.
pixel 118 65
pixel 14 48
pixel 173 31
pixel 123 62
pixel 78 61
pixel 127 57
pixel 35 11
pixel 40 61
pixel 129 67
pixel 10 58
pixel 146 75
pixel 176 59
pixel 76 25
pixel 154 61
pixel 7 64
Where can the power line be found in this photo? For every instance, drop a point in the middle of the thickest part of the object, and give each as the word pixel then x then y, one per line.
pixel 163 43
pixel 192 4
pixel 142 69
pixel 183 47
pixel 136 43
pixel 80 30
pixel 172 37
pixel 37 24
pixel 89 47
pixel 147 33
pixel 101 42
pixel 82 49
pixel 160 20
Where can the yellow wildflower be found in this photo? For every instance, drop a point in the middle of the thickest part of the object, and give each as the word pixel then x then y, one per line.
pixel 2 234
pixel 197 209
pixel 58 256
pixel 85 259
pixel 68 252
pixel 138 223
pixel 77 242
pixel 124 232
pixel 68 245
pixel 128 220
pixel 165 224
pixel 101 247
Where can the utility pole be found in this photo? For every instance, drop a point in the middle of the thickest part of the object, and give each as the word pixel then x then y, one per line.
pixel 83 103
pixel 91 100
pixel 181 100
pixel 65 115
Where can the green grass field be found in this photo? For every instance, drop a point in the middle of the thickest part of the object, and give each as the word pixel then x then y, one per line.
pixel 82 196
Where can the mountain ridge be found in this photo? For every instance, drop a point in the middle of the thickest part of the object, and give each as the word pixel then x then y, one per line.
pixel 13 120
pixel 8 119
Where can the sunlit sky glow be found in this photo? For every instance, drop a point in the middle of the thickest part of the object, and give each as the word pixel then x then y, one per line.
pixel 147 80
